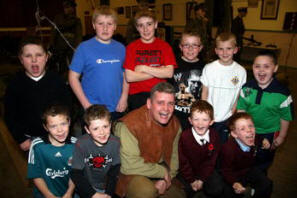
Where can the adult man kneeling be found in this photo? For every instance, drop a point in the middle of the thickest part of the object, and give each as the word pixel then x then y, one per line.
pixel 149 147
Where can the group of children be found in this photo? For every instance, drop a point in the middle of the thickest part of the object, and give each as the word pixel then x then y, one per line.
pixel 255 115
pixel 212 102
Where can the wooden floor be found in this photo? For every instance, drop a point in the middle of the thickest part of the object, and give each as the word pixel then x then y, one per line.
pixel 13 183
pixel 284 169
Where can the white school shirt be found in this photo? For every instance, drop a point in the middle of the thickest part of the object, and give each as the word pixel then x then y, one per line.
pixel 224 84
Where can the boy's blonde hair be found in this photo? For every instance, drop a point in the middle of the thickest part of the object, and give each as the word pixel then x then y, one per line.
pixel 202 106
pixel 146 12
pixel 106 11
pixel 239 115
pixel 95 112
pixel 226 36
pixel 190 33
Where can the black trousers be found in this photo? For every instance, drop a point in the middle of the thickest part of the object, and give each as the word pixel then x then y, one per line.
pixel 212 186
pixel 264 157
pixel 257 180
pixel 137 100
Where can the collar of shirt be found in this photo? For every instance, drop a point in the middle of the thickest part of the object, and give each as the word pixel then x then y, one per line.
pixel 199 137
pixel 37 78
pixel 242 146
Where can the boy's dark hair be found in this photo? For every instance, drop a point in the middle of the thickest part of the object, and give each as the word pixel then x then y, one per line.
pixel 95 112
pixel 202 106
pixel 237 116
pixel 30 40
pixel 268 53
pixel 54 110
pixel 146 12
pixel 163 87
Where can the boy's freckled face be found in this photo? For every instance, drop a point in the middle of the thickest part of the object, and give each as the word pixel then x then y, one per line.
pixel 58 129
pixel 99 130
pixel 190 47
pixel 225 51
pixel 104 27
pixel 263 69
pixel 244 131
pixel 200 121
pixel 146 27
pixel 34 59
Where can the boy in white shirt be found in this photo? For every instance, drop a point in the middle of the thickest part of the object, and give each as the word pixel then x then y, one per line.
pixel 222 80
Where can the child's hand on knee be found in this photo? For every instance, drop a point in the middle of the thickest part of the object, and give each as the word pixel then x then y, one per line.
pixel 265 144
pixel 238 188
pixel 197 185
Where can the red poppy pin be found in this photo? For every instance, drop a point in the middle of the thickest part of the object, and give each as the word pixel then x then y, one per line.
pixel 210 147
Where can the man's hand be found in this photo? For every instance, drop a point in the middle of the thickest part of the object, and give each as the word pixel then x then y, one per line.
pixel 161 186
pixel 25 146
pixel 167 179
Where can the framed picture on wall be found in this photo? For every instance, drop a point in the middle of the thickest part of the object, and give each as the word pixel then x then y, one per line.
pixel 120 10
pixel 167 11
pixel 190 12
pixel 269 9
pixel 128 12
pixel 290 22
pixel 134 10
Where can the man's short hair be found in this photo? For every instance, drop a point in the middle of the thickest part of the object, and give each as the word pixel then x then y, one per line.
pixel 106 11
pixel 145 12
pixel 202 106
pixel 95 112
pixel 54 110
pixel 268 53
pixel 163 87
pixel 239 115
pixel 226 36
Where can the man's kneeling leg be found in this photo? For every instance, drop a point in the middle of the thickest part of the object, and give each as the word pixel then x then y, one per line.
pixel 141 187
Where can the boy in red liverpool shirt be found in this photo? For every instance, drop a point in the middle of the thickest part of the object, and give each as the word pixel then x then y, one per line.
pixel 198 151
pixel 149 60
